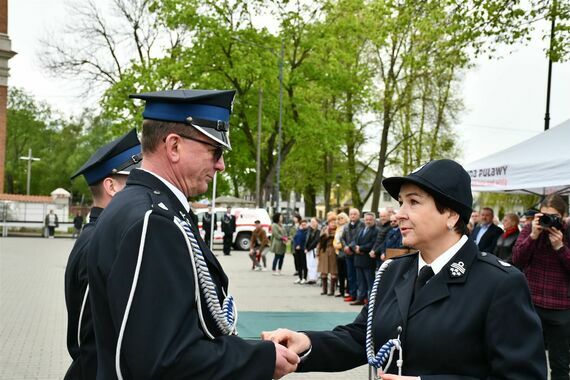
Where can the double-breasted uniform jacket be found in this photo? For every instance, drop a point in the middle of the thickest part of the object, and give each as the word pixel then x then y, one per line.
pixel 489 239
pixel 163 337
pixel 478 325
pixel 228 225
pixel 84 356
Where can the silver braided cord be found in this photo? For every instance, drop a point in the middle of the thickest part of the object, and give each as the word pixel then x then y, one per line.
pixel 225 315
pixel 386 352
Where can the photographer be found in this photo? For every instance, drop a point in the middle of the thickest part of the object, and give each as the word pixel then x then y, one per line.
pixel 542 252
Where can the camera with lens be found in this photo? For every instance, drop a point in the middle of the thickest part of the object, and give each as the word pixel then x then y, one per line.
pixel 548 221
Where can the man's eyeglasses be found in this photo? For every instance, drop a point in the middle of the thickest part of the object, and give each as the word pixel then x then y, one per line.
pixel 218 152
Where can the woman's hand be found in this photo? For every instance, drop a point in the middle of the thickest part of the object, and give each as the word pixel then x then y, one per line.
pixel 556 238
pixel 536 227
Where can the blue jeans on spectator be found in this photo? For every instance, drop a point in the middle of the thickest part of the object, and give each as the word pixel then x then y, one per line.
pixel 278 261
pixel 351 276
pixel 364 276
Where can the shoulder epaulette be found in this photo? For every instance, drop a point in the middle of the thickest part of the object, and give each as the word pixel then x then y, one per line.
pixel 495 261
pixel 159 204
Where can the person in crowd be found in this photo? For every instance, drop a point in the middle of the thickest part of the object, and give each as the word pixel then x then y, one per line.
pixel 486 233
pixel 299 241
pixel 327 257
pixel 364 263
pixel 529 217
pixel 453 311
pixel 51 222
pixel 292 231
pixel 228 228
pixel 159 297
pixel 207 226
pixel 106 174
pixel 393 238
pixel 341 222
pixel 506 241
pixel 259 246
pixel 77 225
pixel 312 241
pixel 278 243
pixel 349 235
pixel 383 228
pixel 542 250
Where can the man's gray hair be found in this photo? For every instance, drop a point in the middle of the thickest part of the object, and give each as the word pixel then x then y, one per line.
pixel 370 213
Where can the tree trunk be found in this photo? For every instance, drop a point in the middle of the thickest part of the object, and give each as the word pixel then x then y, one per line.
pixel 310 197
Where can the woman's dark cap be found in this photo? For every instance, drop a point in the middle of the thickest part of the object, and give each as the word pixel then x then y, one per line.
pixel 444 179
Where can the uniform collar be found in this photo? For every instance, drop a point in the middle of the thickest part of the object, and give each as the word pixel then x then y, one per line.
pixel 438 264
pixel 176 191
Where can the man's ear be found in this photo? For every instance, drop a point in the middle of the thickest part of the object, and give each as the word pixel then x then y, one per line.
pixel 172 144
pixel 109 186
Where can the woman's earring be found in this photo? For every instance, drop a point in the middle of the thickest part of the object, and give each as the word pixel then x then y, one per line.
pixel 450 228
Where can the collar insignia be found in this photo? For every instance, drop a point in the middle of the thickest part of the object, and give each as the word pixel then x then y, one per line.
pixel 457 270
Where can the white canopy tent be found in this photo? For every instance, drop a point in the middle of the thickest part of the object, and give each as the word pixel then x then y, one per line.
pixel 539 165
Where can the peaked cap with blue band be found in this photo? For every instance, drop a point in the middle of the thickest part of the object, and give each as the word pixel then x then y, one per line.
pixel 444 179
pixel 206 110
pixel 119 156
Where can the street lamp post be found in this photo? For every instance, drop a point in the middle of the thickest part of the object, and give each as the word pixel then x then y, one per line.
pixel 30 158
pixel 278 174
pixel 258 164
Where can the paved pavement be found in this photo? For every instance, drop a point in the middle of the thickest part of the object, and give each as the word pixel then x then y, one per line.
pixel 33 317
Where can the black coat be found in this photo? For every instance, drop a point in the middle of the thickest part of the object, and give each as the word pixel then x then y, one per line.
pixel 163 336
pixel 84 356
pixel 228 224
pixel 349 234
pixel 481 325
pixel 365 241
pixel 489 239
pixel 504 247
pixel 381 238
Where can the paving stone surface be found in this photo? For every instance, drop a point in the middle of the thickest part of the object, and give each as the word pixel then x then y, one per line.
pixel 33 317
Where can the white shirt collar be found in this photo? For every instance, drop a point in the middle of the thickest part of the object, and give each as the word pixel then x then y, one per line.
pixel 444 258
pixel 176 191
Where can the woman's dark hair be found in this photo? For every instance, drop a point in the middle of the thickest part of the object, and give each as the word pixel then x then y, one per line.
pixel 276 217
pixel 460 227
pixel 556 202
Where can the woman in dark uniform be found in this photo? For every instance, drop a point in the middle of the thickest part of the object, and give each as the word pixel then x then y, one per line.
pixel 454 312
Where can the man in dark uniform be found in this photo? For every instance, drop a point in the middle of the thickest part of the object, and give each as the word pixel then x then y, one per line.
pixel 228 228
pixel 106 174
pixel 207 226
pixel 159 296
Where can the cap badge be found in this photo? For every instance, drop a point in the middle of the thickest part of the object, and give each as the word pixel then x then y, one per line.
pixel 457 270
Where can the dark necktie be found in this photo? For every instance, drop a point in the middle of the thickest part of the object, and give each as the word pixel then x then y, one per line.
pixel 425 274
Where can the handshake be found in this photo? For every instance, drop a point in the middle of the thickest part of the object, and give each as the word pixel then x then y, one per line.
pixel 288 345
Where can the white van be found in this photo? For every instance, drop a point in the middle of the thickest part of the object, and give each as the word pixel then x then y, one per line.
pixel 245 218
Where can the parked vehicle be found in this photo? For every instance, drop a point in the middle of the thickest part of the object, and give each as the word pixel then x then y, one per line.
pixel 245 218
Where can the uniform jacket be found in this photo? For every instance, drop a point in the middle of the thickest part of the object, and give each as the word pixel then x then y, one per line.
pixel 84 356
pixel 207 222
pixel 163 338
pixel 481 325
pixel 228 224
pixel 489 239
pixel 365 241
pixel 547 270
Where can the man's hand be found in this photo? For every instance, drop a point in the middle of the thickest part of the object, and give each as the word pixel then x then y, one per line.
pixel 347 250
pixel 296 342
pixel 286 361
pixel 357 249
pixel 372 254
